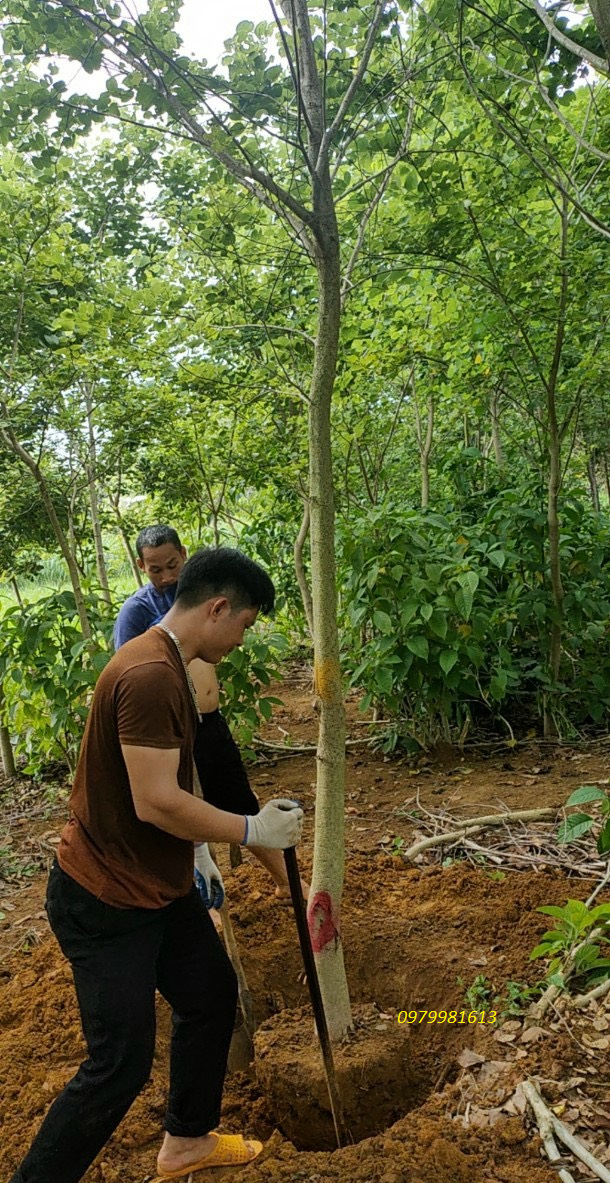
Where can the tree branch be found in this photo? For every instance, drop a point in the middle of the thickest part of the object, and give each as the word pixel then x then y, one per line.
pixel 600 65
pixel 355 83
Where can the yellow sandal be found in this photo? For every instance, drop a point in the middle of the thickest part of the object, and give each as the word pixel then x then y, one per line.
pixel 231 1150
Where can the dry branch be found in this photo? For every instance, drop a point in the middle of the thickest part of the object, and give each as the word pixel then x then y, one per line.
pixel 549 1125
pixel 599 991
pixel 473 825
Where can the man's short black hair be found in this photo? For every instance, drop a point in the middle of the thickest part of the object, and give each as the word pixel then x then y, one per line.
pixel 153 536
pixel 222 571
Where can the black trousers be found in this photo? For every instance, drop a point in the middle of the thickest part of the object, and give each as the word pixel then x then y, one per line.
pixel 119 956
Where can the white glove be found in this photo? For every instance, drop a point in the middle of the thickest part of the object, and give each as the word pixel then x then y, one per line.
pixel 208 877
pixel 277 826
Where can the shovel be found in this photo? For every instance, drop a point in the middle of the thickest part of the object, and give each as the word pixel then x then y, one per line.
pixel 240 1055
pixel 343 1136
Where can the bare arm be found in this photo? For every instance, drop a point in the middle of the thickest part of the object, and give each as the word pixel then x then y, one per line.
pixel 159 800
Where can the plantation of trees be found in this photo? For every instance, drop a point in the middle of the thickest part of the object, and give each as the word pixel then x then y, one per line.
pixel 339 301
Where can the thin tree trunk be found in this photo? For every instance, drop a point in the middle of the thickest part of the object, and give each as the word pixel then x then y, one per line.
pixel 553 490
pixel 593 479
pixel 495 419
pixel 328 861
pixel 301 576
pixel 123 534
pixel 91 472
pixel 323 909
pixel 12 442
pixel 600 12
pixel 15 587
pixel 6 750
pixel 424 445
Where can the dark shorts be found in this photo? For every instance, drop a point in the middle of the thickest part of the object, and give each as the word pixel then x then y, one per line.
pixel 221 771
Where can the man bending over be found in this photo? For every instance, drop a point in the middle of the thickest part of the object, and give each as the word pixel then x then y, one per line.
pixel 121 899
pixel 221 772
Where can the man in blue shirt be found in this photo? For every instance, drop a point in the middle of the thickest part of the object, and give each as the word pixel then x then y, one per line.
pixel 221 772
pixel 161 557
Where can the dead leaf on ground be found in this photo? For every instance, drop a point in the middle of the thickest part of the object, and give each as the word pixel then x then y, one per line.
pixel 533 1033
pixel 516 1105
pixel 467 1058
pixel 602 1043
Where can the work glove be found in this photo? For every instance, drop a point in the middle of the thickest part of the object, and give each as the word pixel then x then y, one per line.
pixel 277 826
pixel 208 877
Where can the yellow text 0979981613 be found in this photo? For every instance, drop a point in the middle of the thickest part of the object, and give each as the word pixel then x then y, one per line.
pixel 482 1017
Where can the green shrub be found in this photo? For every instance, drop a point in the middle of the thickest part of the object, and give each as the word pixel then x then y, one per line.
pixel 446 621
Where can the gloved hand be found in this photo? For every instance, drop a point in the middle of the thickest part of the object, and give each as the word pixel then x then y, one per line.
pixel 208 877
pixel 277 826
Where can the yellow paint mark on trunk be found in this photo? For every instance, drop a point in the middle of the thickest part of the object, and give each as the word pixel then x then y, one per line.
pixel 327 679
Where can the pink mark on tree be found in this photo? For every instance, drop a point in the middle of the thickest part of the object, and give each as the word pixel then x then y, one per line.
pixel 323 927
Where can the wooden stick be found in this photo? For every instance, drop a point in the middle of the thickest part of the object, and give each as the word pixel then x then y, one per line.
pixel 599 991
pixel 474 824
pixel 544 1121
pixel 597 890
pixel 576 1146
pixel 244 993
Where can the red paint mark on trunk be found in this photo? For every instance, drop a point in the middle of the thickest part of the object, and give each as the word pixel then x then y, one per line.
pixel 323 928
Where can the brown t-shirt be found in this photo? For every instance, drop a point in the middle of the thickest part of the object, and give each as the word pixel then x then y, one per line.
pixel 142 699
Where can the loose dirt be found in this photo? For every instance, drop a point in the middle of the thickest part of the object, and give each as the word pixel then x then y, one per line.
pixel 414 938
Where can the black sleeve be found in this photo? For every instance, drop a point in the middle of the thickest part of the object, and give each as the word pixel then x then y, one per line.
pixel 221 772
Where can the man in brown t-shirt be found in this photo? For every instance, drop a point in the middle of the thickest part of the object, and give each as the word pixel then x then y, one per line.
pixel 121 900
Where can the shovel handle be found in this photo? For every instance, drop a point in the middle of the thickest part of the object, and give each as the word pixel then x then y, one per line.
pixel 295 887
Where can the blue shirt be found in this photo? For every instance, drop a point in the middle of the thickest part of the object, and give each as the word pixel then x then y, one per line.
pixel 142 610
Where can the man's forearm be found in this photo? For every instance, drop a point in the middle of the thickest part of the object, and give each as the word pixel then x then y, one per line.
pixel 178 813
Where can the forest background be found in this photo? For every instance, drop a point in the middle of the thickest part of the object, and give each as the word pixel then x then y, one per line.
pixel 159 323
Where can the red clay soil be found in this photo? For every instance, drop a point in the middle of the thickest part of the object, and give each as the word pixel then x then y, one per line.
pixel 413 938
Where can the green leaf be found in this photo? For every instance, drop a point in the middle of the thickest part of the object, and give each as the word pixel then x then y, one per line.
pixel 448 659
pixel 604 839
pixel 586 793
pixel 382 621
pixel 408 612
pixel 573 827
pixel 419 646
pixel 439 625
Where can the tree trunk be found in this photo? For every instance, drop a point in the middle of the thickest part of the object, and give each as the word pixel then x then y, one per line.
pixel 553 488
pixel 323 909
pixel 593 479
pixel 301 576
pixel 91 472
pixel 600 12
pixel 329 847
pixel 424 445
pixel 495 419
pixel 11 440
pixel 123 534
pixel 15 587
pixel 6 750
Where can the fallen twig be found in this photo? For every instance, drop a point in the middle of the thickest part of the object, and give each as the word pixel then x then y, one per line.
pixel 544 1121
pixel 473 825
pixel 599 991
pixel 597 890
pixel 549 1124
pixel 286 749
